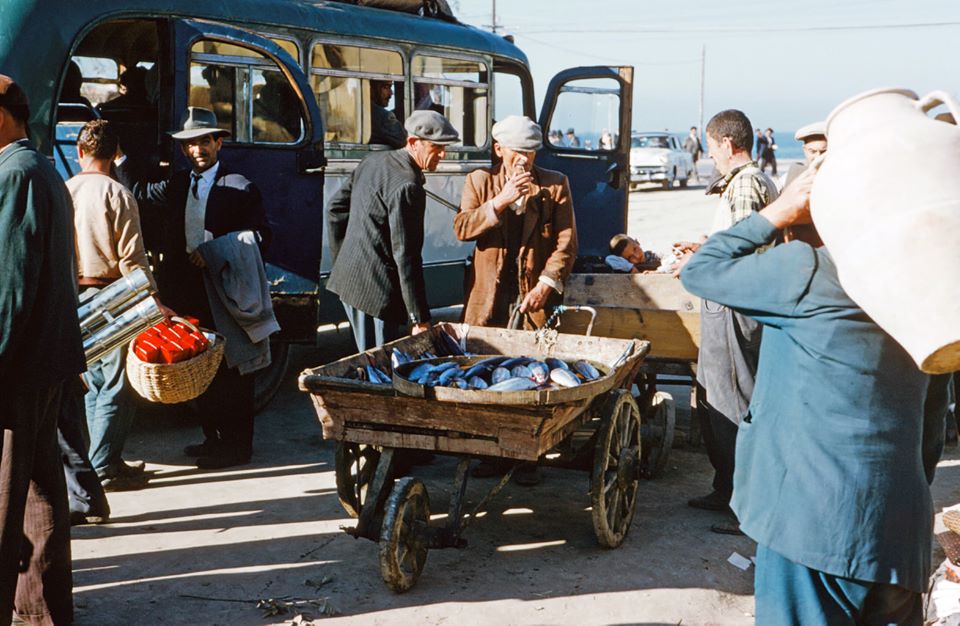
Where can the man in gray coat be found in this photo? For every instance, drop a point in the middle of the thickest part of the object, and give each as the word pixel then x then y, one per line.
pixel 375 230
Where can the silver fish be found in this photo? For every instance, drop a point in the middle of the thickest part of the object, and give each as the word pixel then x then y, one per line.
pixel 513 384
pixel 564 378
pixel 555 363
pixel 477 383
pixel 499 375
pixel 586 370
pixel 539 371
pixel 521 371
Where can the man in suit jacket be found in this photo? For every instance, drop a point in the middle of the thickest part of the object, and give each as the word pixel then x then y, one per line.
pixel 830 478
pixel 521 217
pixel 375 230
pixel 40 353
pixel 195 206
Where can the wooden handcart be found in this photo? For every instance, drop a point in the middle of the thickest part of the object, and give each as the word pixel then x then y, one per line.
pixel 371 422
pixel 654 308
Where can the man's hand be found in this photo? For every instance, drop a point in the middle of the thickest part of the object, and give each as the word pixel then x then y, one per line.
pixel 515 188
pixel 681 248
pixel 536 298
pixel 167 311
pixel 793 205
pixel 197 259
pixel 422 327
pixel 677 267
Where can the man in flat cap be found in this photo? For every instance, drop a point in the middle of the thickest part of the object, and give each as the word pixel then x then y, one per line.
pixel 375 231
pixel 196 206
pixel 521 217
pixel 40 354
pixel 814 138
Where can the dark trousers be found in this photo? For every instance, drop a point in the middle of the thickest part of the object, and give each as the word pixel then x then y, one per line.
pixel 789 594
pixel 35 572
pixel 227 409
pixel 370 332
pixel 720 440
pixel 84 491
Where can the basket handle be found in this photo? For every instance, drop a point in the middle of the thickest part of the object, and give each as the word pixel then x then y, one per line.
pixel 188 324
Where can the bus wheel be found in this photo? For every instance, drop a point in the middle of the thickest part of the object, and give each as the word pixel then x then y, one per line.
pixel 268 380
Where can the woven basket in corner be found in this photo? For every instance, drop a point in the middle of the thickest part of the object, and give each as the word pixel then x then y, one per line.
pixel 170 383
pixel 951 519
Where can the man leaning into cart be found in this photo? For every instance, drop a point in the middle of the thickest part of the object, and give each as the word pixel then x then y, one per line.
pixel 521 217
pixel 829 478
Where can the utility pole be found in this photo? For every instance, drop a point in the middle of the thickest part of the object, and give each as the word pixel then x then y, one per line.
pixel 493 18
pixel 703 69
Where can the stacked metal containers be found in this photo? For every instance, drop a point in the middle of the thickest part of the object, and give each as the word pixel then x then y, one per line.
pixel 116 314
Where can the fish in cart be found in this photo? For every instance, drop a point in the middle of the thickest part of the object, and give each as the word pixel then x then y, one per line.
pixel 503 373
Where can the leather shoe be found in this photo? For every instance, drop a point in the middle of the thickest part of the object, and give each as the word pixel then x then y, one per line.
pixel 223 459
pixel 726 528
pixel 125 482
pixel 713 501
pixel 207 448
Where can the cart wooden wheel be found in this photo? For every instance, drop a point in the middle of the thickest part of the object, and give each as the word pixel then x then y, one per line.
pixel 355 465
pixel 659 424
pixel 403 537
pixel 616 465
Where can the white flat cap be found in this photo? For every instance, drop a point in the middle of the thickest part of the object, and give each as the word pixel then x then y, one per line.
pixel 518 133
pixel 817 129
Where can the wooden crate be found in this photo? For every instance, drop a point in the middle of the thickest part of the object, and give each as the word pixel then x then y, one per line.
pixel 650 307
pixel 361 412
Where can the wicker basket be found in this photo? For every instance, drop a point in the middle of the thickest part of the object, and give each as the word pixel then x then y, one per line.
pixel 951 519
pixel 170 383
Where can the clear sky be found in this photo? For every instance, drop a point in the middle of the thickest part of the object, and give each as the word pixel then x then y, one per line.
pixel 785 63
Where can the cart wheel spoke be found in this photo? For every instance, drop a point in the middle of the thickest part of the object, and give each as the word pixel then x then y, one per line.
pixel 402 551
pixel 614 478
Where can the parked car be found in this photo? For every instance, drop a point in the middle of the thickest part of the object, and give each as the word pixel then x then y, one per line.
pixel 658 158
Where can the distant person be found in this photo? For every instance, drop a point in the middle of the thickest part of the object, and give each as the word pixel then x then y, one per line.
pixel 571 141
pixel 588 144
pixel 72 85
pixel 759 142
pixel 555 138
pixel 133 91
pixel 730 341
pixel 694 148
pixel 814 139
pixel 606 140
pixel 385 128
pixel 768 154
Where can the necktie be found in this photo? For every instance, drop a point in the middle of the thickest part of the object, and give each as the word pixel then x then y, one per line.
pixel 195 185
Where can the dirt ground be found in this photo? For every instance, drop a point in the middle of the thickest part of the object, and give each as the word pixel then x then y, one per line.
pixel 200 547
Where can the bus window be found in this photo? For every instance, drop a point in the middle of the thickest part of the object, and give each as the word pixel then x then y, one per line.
pixel 360 94
pixel 587 115
pixel 247 91
pixel 456 88
pixel 507 95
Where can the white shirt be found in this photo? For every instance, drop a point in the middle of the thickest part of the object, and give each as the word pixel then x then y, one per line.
pixel 196 208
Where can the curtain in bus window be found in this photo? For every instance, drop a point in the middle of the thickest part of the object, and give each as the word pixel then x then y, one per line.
pixel 360 94
pixel 457 89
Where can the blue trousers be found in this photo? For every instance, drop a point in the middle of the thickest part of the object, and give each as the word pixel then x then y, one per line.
pixel 83 485
pixel 370 332
pixel 788 593
pixel 110 410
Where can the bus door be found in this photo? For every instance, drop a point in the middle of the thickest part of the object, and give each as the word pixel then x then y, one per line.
pixel 259 93
pixel 586 125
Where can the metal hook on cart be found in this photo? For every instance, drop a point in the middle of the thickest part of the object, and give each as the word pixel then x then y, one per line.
pixel 554 320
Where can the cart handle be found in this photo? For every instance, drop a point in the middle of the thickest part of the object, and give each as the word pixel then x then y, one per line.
pixel 554 319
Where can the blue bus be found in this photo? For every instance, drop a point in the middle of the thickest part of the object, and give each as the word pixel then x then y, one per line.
pixel 296 83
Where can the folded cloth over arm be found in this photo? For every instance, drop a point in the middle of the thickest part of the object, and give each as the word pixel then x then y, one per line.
pixel 239 298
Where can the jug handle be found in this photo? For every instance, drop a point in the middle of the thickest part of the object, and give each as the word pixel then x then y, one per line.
pixel 935 99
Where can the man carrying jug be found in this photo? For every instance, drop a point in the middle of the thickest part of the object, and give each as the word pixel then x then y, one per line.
pixel 829 478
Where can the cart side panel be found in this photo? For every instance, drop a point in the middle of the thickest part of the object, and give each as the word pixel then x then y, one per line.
pixel 672 334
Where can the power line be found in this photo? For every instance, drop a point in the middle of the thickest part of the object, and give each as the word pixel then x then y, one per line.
pixel 735 29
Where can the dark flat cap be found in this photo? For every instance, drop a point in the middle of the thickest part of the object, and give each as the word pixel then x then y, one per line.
pixel 198 122
pixel 11 94
pixel 431 126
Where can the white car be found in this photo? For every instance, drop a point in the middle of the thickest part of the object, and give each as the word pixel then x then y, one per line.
pixel 658 158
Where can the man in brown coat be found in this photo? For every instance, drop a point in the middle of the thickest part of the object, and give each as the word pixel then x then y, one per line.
pixel 521 217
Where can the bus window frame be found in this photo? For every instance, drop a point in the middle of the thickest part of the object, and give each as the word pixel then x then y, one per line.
pixel 486 63
pixel 350 146
pixel 263 61
pixel 502 65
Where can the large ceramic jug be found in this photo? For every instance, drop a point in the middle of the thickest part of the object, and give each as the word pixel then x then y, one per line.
pixel 886 202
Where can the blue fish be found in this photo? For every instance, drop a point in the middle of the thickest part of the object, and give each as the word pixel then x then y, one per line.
pixel 449 374
pixel 374 375
pixel 499 375
pixel 539 371
pixel 459 383
pixel 564 378
pixel 586 370
pixel 513 384
pixel 521 371
pixel 492 361
pixel 555 363
pixel 442 367
pixel 419 371
pixel 515 361
pixel 478 370
pixel 477 383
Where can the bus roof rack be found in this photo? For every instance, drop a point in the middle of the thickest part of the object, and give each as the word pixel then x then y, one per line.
pixel 439 9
